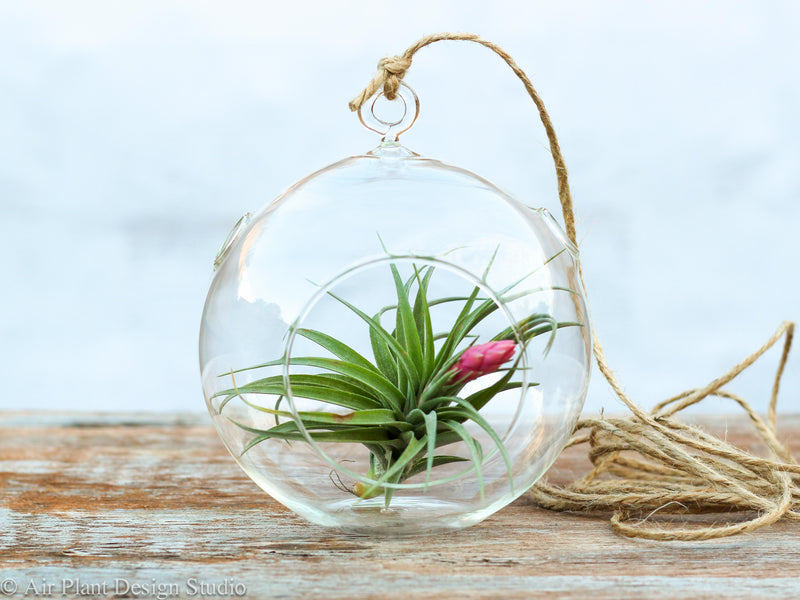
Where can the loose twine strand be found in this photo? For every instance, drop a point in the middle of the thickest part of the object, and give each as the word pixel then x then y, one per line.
pixel 650 463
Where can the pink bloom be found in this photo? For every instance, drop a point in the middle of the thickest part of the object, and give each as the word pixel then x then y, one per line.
pixel 482 359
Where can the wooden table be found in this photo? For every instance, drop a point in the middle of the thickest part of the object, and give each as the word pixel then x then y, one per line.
pixel 92 503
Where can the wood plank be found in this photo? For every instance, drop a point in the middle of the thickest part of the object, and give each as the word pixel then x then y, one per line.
pixel 155 500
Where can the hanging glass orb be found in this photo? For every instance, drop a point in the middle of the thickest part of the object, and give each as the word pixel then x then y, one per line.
pixel 394 344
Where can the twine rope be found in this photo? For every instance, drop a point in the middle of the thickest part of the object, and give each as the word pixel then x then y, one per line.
pixel 649 463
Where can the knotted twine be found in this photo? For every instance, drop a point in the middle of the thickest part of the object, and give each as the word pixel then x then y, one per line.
pixel 647 463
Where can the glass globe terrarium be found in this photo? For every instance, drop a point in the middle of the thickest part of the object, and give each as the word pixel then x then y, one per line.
pixel 394 344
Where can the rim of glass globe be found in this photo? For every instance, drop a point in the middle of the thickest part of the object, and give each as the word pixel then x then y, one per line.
pixel 310 305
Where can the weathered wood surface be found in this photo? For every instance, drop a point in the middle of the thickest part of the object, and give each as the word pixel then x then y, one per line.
pixel 151 500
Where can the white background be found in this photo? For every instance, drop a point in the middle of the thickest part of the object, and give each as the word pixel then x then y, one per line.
pixel 134 134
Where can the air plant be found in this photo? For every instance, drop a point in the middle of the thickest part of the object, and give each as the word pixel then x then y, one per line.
pixel 406 402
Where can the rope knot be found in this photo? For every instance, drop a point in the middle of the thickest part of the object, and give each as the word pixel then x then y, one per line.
pixel 391 70
pixel 394 69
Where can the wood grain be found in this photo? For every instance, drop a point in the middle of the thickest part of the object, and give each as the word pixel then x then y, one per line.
pixel 155 500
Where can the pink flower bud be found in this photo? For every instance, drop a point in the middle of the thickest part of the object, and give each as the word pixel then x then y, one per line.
pixel 482 359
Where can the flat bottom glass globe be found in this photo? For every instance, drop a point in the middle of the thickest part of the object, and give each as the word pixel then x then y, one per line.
pixel 395 345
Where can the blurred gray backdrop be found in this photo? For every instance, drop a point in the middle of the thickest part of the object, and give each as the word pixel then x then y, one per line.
pixel 134 135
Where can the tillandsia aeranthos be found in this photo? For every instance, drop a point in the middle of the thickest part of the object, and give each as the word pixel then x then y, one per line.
pixel 407 401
